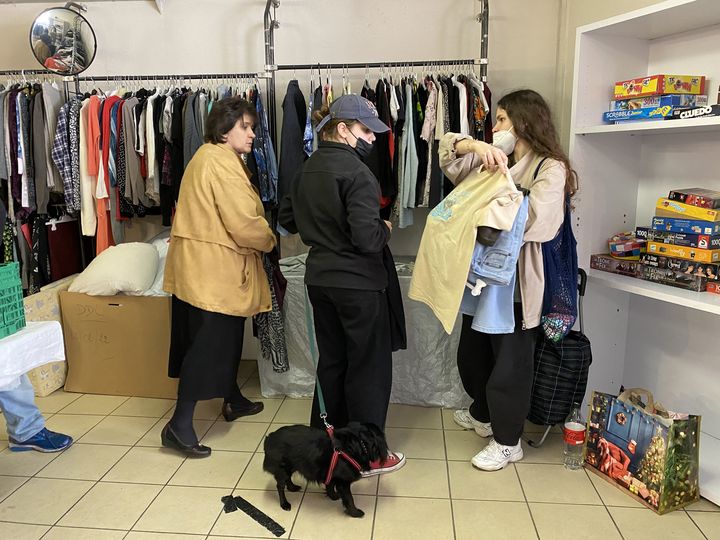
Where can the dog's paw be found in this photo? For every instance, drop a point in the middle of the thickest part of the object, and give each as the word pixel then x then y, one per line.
pixel 285 506
pixel 292 487
pixel 354 512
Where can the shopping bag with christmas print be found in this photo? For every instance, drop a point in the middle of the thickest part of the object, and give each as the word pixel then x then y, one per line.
pixel 645 450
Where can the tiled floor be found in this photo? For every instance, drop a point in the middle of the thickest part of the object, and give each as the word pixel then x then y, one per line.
pixel 116 482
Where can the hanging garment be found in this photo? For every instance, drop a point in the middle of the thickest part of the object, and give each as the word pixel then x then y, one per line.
pixel 409 156
pixel 270 325
pixel 309 133
pixel 380 158
pixel 265 156
pixel 88 205
pixel 488 119
pixel 4 174
pixel 25 165
pixel 52 101
pixel 61 151
pixel 192 138
pixel 22 235
pixel 74 203
pixel 42 193
pixel 427 134
pixel 64 248
pixel 292 141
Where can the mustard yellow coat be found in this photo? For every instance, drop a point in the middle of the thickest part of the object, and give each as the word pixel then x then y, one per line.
pixel 218 236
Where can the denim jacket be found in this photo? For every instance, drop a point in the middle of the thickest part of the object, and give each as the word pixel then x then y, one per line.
pixel 496 265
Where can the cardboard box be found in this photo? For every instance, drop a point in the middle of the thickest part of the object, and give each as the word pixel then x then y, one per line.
pixel 682 252
pixel 683 266
pixel 700 241
pixel 684 113
pixel 650 113
pixel 704 198
pixel 669 208
pixel 117 345
pixel 673 100
pixel 607 263
pixel 713 287
pixel 680 225
pixel 666 276
pixel 654 85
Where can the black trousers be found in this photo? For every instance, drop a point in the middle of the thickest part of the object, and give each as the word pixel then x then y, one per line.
pixel 355 365
pixel 497 373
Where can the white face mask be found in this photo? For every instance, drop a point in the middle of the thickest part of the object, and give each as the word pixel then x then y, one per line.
pixel 505 141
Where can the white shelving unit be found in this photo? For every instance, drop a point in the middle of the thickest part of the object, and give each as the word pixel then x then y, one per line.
pixel 645 334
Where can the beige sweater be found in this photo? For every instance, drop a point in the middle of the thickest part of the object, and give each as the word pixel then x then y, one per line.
pixel 545 213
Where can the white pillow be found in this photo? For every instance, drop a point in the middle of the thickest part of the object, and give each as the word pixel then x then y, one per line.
pixel 126 268
pixel 162 245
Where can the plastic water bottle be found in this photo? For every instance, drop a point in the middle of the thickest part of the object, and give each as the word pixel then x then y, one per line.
pixel 574 438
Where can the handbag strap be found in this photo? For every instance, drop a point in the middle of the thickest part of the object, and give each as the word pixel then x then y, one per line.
pixel 649 401
pixel 537 169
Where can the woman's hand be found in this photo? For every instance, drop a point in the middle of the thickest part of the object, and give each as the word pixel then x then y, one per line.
pixel 492 158
pixel 388 225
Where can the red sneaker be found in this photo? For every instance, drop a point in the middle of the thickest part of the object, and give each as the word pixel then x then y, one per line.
pixel 393 462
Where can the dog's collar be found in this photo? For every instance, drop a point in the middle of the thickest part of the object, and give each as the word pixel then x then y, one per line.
pixel 337 454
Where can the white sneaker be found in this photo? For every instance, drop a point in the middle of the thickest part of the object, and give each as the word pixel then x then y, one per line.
pixel 464 419
pixel 496 456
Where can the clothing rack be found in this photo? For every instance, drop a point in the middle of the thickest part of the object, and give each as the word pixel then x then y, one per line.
pixel 389 65
pixel 194 76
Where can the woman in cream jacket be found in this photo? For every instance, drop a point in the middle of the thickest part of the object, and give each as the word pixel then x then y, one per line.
pixel 215 272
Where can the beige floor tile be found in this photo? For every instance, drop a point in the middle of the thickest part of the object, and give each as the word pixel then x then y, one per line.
pixel 84 462
pixel 556 484
pixel 267 414
pixel 467 482
pixel 8 484
pixel 74 533
pixel 612 495
pixel 419 519
pixel 94 404
pixel 111 506
pixel 448 422
pixel 252 388
pixel 709 523
pixel 42 501
pixel 139 406
pixel 23 463
pixel 75 425
pixel 220 470
pixel 294 411
pixel 644 523
pixel 551 451
pixel 238 524
pixel 417 443
pixel 242 436
pixel 183 510
pixel 418 478
pixel 319 518
pixel 19 531
pixel 55 401
pixel 255 477
pixel 3 428
pixel 3 445
pixel 152 437
pixel 146 465
pixel 136 535
pixel 492 519
pixel 122 430
pixel 409 416
pixel 364 486
pixel 559 521
pixel 463 445
pixel 703 505
pixel 205 410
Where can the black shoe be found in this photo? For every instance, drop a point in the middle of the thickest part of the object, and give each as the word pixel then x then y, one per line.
pixel 230 413
pixel 171 440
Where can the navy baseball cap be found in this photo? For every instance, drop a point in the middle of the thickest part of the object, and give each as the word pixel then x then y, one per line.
pixel 354 107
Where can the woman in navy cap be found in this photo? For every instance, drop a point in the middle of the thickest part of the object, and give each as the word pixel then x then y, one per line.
pixel 334 203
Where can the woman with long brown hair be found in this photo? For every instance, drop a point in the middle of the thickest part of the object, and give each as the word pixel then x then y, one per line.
pixel 497 369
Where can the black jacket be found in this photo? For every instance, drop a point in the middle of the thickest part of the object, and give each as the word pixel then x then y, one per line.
pixel 334 203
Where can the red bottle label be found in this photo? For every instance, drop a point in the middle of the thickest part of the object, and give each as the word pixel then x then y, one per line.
pixel 574 433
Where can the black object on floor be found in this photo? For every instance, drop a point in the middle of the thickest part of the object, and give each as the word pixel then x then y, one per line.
pixel 231 504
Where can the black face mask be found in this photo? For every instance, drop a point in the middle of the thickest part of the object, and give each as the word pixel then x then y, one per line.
pixel 362 147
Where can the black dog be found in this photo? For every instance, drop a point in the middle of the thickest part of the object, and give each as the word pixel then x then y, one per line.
pixel 309 451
